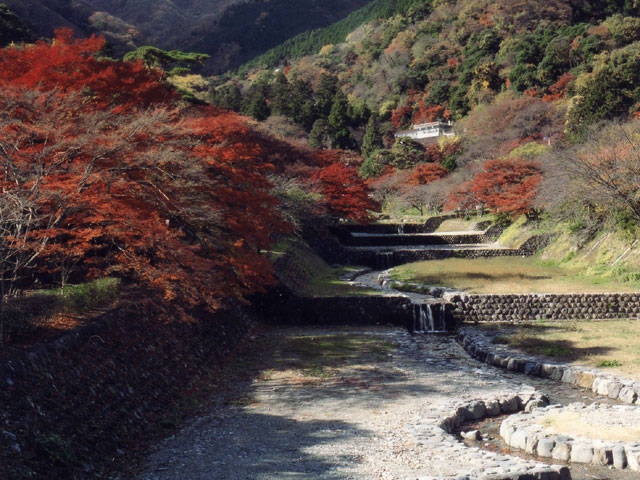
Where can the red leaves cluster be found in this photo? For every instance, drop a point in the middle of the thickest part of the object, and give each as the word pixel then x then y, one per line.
pixel 71 65
pixel 401 116
pixel 345 193
pixel 502 186
pixel 120 178
pixel 426 173
pixel 416 110
pixel 424 112
pixel 559 89
pixel 110 173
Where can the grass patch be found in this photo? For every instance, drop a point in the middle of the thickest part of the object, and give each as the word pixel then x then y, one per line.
pixel 608 364
pixel 86 296
pixel 460 224
pixel 303 271
pixel 611 344
pixel 41 314
pixel 507 275
pixel 324 356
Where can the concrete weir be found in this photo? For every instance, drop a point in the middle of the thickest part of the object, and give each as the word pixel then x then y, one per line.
pixel 386 245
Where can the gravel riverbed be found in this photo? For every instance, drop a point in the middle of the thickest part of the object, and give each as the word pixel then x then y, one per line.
pixel 356 403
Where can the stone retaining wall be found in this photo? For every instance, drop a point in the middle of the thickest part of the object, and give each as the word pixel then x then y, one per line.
pixel 409 239
pixel 500 308
pixel 74 407
pixel 285 308
pixel 380 258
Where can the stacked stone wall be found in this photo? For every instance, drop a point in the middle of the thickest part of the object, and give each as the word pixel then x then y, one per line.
pixel 524 307
pixel 85 399
pixel 289 309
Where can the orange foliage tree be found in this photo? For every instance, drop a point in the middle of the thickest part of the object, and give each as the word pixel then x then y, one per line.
pixel 345 194
pixel 105 171
pixel 427 173
pixel 116 175
pixel 503 186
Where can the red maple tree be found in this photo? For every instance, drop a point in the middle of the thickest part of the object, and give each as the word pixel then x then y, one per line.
pixel 503 186
pixel 118 177
pixel 345 193
pixel 427 173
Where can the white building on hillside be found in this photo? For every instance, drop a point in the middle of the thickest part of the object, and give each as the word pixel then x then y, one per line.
pixel 430 130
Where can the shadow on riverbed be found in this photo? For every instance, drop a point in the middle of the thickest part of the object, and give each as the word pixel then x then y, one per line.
pixel 241 438
pixel 246 445
pixel 326 365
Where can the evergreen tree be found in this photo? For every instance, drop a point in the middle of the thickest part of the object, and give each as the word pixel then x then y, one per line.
pixel 339 122
pixel 325 94
pixel 256 100
pixel 302 103
pixel 228 97
pixel 280 95
pixel 320 135
pixel 372 139
pixel 258 108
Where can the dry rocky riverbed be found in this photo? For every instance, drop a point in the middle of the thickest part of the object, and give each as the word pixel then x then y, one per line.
pixel 356 403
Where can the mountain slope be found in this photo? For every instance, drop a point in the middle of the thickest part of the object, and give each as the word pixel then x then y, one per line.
pixel 231 31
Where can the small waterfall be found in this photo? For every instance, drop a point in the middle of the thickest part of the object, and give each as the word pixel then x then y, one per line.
pixel 429 318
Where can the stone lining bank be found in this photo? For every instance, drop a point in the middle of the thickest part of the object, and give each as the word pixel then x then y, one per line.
pixel 479 345
pixel 522 307
pixel 526 431
pixel 531 432
pixel 496 466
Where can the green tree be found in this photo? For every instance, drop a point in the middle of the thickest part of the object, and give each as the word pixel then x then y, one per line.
pixel 407 153
pixel 325 93
pixel 556 60
pixel 255 102
pixel 339 122
pixel 320 135
pixel 302 103
pixel 258 108
pixel 227 96
pixel 376 163
pixel 611 91
pixel 173 61
pixel 280 95
pixel 372 139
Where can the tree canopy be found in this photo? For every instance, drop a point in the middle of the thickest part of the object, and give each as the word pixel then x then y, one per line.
pixel 105 171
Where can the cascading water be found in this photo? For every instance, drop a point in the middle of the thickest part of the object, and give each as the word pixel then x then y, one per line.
pixel 429 318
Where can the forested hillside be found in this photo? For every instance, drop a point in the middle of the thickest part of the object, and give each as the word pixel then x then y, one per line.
pixel 543 97
pixel 230 31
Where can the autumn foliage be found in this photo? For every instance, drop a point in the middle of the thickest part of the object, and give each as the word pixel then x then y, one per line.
pixel 502 186
pixel 427 173
pixel 345 193
pixel 105 171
